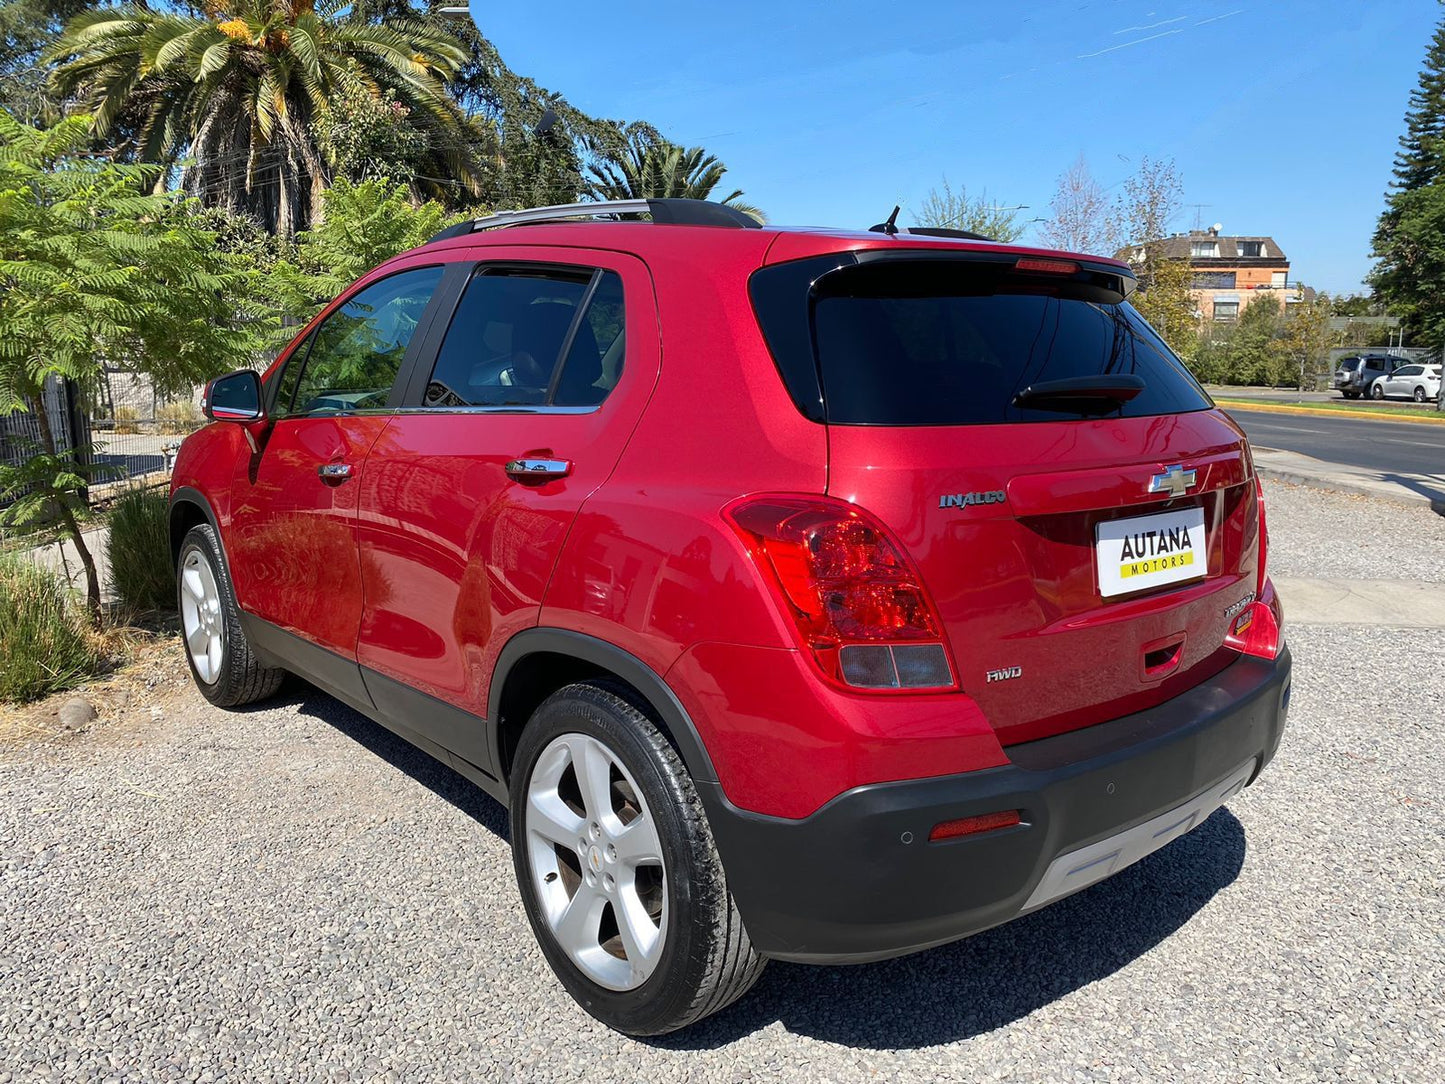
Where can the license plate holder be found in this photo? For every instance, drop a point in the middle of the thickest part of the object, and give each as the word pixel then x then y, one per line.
pixel 1144 552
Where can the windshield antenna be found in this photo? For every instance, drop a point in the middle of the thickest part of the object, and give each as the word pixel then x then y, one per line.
pixel 889 227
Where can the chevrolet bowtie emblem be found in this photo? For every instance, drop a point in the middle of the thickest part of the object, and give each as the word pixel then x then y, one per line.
pixel 1175 481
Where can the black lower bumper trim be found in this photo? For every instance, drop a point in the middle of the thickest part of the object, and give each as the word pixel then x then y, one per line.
pixel 859 880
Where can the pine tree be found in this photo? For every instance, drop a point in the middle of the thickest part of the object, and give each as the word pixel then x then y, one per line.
pixel 1421 158
pixel 1409 242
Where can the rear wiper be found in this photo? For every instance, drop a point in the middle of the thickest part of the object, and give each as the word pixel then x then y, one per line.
pixel 1103 392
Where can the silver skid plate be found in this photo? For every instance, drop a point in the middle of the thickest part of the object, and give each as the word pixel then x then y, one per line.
pixel 1079 869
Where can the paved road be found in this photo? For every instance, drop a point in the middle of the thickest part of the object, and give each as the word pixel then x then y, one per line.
pixel 1407 447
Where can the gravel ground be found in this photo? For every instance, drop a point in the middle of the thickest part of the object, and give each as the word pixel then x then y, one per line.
pixel 292 894
pixel 1322 535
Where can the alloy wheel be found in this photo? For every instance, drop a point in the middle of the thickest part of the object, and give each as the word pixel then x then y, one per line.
pixel 202 621
pixel 596 862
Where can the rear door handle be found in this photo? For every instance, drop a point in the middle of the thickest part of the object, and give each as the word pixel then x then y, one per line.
pixel 523 469
pixel 334 472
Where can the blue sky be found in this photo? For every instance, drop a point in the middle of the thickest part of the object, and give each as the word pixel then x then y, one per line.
pixel 1281 115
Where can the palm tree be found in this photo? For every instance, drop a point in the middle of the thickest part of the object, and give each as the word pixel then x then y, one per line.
pixel 233 97
pixel 654 168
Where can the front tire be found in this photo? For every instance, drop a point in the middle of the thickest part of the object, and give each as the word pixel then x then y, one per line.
pixel 1351 394
pixel 225 669
pixel 617 868
pixel 1419 395
pixel 1376 391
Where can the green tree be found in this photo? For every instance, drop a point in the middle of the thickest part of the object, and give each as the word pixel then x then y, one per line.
pixel 95 268
pixel 533 148
pixel 234 96
pixel 364 225
pixel 1409 242
pixel 651 167
pixel 1253 356
pixel 1355 305
pixel 27 27
pixel 1306 339
pixel 1411 250
pixel 1169 306
pixel 943 208
pixel 1149 202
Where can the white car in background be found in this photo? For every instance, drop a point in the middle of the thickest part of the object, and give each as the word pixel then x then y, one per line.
pixel 1418 382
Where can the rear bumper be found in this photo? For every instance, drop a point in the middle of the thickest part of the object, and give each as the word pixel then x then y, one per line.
pixel 859 880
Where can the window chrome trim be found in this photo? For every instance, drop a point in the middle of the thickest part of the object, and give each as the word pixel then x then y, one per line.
pixel 541 409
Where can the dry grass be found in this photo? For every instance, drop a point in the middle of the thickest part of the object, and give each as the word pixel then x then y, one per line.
pixel 146 671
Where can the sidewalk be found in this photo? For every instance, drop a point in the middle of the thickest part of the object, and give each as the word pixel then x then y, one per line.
pixel 1419 489
pixel 63 559
pixel 1400 604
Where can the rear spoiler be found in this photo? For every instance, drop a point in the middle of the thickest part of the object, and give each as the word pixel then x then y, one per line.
pixel 1101 281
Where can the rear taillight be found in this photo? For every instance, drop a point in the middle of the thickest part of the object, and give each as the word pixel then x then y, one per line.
pixel 1263 538
pixel 856 600
pixel 1256 632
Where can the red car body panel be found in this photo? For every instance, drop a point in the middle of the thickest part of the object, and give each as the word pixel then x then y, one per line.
pixel 1015 582
pixel 292 538
pixel 457 553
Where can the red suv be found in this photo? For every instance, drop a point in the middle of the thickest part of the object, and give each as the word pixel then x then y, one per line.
pixel 808 595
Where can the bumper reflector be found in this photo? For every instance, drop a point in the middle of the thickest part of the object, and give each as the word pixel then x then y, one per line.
pixel 968 826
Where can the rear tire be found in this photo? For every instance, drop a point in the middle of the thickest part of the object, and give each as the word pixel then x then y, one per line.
pixel 225 669
pixel 1419 395
pixel 662 944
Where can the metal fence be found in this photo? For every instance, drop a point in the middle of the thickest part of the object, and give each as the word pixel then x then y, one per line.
pixel 134 430
pixel 124 432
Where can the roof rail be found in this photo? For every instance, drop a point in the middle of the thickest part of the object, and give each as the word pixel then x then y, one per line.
pixel 672 212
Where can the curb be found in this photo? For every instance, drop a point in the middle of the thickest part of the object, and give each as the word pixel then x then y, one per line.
pixel 1288 408
pixel 1380 491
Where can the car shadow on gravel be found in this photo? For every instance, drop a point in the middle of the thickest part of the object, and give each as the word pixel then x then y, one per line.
pixel 939 996
pixel 996 977
pixel 399 753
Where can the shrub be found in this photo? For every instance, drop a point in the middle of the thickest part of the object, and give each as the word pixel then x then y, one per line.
pixel 126 418
pixel 140 551
pixel 182 416
pixel 43 635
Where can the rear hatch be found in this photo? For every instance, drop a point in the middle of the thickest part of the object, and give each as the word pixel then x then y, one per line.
pixel 1085 547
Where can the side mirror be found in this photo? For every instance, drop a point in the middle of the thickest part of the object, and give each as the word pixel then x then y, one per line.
pixel 235 397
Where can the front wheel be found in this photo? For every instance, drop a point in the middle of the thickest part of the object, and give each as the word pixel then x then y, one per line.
pixel 1377 392
pixel 617 868
pixel 226 670
pixel 1351 394
pixel 1419 395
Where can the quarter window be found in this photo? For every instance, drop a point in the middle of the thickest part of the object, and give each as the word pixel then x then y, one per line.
pixel 356 353
pixel 506 343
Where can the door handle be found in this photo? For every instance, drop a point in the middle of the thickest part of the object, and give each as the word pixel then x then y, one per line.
pixel 334 472
pixel 525 469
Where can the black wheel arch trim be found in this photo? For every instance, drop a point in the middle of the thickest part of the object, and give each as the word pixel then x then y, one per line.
pixel 191 496
pixel 648 683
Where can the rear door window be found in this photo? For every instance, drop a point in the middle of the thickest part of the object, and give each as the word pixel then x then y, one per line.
pixel 926 344
pixel 529 338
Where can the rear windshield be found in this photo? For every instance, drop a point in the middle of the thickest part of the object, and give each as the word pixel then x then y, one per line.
pixel 924 345
pixel 1349 365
